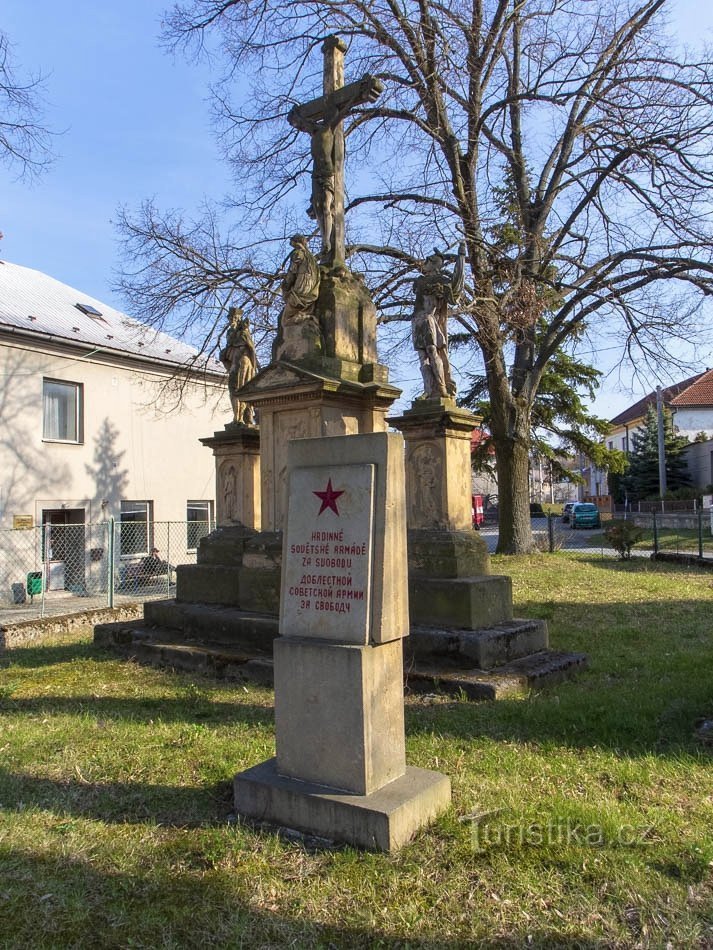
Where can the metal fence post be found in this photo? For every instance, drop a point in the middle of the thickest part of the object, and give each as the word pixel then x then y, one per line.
pixel 656 534
pixel 168 559
pixel 551 533
pixel 110 547
pixel 45 566
pixel 700 533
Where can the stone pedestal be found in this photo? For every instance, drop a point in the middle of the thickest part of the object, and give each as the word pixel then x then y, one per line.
pixel 449 565
pixel 303 401
pixel 216 577
pixel 438 473
pixel 339 713
pixel 340 770
pixel 237 475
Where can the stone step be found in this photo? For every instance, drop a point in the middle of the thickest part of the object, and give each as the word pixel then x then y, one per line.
pixel 248 630
pixel 227 625
pixel 513 680
pixel 468 603
pixel 161 648
pixel 485 649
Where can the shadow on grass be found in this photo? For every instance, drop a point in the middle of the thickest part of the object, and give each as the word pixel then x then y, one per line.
pixel 650 678
pixel 195 708
pixel 31 657
pixel 119 802
pixel 640 563
pixel 62 902
pixel 56 901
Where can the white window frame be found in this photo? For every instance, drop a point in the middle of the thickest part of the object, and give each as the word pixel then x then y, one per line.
pixel 48 422
pixel 138 506
pixel 206 505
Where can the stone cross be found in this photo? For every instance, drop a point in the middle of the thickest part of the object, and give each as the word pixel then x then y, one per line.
pixel 322 119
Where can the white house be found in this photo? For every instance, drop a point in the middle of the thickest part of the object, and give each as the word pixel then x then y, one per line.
pixel 691 405
pixel 89 428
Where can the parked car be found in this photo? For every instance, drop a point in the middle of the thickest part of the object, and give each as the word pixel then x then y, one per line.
pixel 585 515
pixel 567 511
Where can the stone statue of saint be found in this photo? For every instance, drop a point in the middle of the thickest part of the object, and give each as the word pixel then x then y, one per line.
pixel 300 288
pixel 239 358
pixel 299 335
pixel 435 289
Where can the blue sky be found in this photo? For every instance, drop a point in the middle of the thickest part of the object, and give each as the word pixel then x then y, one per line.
pixel 135 124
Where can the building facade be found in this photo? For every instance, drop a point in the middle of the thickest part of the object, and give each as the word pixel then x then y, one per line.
pixel 91 424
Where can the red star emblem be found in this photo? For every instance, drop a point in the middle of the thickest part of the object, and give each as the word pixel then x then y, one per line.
pixel 328 498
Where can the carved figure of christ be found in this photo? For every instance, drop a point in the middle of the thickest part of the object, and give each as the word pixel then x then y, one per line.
pixel 322 119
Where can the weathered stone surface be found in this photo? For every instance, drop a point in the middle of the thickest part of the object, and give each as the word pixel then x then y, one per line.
pixel 434 553
pixel 486 649
pixel 213 623
pixel 207 584
pixel 348 318
pixel 471 603
pixel 260 590
pixel 339 714
pixel 438 473
pixel 239 660
pixel 305 402
pixel 515 679
pixel 371 496
pixel 25 631
pixel 237 475
pixel 224 546
pixel 385 820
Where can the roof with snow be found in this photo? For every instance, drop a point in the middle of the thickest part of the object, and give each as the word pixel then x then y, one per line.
pixel 34 303
pixel 695 391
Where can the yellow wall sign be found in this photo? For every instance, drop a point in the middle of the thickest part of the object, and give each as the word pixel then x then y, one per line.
pixel 23 521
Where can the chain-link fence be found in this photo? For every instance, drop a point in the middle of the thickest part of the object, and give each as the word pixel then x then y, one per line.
pixel 57 569
pixel 677 532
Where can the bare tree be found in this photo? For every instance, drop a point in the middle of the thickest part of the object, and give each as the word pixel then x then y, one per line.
pixel 24 139
pixel 567 143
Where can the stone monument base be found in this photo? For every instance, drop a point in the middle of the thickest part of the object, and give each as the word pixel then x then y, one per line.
pixel 382 821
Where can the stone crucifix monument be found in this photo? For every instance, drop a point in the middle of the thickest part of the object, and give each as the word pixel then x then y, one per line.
pixel 324 379
pixel 340 771
pixel 322 119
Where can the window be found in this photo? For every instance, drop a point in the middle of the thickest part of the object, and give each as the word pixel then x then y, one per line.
pixel 199 516
pixel 62 411
pixel 136 527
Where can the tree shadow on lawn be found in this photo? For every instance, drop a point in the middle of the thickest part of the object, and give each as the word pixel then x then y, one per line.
pixel 196 707
pixel 57 901
pixel 648 682
pixel 52 900
pixel 34 657
pixel 642 563
pixel 179 806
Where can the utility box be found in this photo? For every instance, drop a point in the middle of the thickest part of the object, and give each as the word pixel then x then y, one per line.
pixel 19 596
pixel 34 583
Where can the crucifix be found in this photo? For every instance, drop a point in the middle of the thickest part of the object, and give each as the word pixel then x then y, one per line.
pixel 322 119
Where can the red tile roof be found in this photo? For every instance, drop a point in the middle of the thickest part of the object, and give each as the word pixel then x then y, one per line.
pixel 699 386
pixel 700 393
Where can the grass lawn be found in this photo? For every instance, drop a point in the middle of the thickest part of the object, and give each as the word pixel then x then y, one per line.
pixel 582 816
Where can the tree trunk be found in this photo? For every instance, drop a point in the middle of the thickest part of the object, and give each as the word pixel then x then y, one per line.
pixel 510 430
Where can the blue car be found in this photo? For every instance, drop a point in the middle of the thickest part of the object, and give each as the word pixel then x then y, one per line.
pixel 585 515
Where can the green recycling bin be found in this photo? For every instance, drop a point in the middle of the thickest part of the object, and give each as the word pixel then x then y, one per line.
pixel 34 583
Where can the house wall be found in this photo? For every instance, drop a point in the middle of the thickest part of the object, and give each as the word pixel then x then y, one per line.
pixel 689 422
pixel 699 458
pixel 133 447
